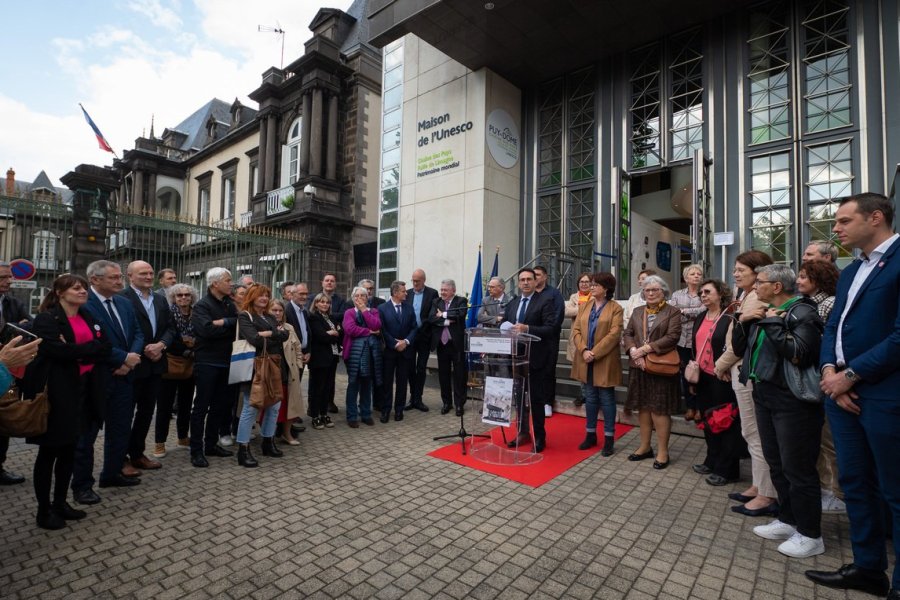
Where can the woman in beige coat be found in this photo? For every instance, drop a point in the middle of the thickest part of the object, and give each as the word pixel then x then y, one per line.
pixel 595 339
pixel 293 359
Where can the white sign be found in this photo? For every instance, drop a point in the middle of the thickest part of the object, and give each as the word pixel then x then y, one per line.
pixel 23 285
pixel 502 136
pixel 490 344
pixel 498 397
pixel 723 238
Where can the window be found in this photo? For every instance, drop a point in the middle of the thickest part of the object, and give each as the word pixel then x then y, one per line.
pixel 44 255
pixel 392 115
pixel 686 97
pixel 228 197
pixel 204 206
pixel 826 61
pixel 293 151
pixel 581 123
pixel 829 177
pixel 581 224
pixel 549 220
pixel 769 75
pixel 770 205
pixel 550 135
pixel 645 108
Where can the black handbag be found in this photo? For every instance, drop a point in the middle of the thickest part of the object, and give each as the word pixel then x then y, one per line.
pixel 803 382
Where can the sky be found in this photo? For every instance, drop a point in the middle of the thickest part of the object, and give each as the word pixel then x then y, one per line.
pixel 127 61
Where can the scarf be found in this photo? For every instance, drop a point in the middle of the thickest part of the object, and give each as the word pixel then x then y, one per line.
pixel 653 311
pixel 182 322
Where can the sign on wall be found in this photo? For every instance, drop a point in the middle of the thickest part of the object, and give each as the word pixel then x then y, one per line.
pixel 436 148
pixel 502 136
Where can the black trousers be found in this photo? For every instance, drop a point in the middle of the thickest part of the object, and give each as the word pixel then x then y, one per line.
pixel 50 461
pixel 421 352
pixel 146 394
pixel 791 432
pixel 321 388
pixel 539 382
pixel 723 450
pixel 452 374
pixel 4 448
pixel 212 405
pixel 397 367
pixel 183 389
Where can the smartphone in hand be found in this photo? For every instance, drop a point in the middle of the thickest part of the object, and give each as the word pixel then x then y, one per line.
pixel 11 331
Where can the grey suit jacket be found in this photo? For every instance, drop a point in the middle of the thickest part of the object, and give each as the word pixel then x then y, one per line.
pixel 490 310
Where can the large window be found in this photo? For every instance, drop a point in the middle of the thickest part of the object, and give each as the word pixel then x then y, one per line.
pixel 293 152
pixel 389 209
pixel 44 256
pixel 770 205
pixel 686 95
pixel 646 150
pixel 826 61
pixel 769 76
pixel 829 177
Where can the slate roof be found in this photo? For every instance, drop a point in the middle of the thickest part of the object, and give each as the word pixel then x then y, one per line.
pixel 42 181
pixel 359 33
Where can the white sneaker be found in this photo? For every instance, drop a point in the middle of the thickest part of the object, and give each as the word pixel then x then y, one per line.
pixel 548 410
pixel 800 546
pixel 226 440
pixel 833 504
pixel 776 530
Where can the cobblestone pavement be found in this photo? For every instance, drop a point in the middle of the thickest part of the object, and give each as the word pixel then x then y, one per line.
pixel 364 513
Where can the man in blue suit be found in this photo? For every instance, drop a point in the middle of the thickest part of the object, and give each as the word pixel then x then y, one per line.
pixel 860 360
pixel 118 322
pixel 398 326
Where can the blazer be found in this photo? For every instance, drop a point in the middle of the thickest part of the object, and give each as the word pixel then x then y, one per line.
pixel 870 334
pixel 662 337
pixel 540 316
pixel 134 337
pixel 394 328
pixel 607 371
pixel 320 351
pixel 490 310
pixel 375 302
pixel 428 296
pixel 290 314
pixel 212 345
pixel 57 367
pixel 719 339
pixel 165 331
pixel 14 311
pixel 456 315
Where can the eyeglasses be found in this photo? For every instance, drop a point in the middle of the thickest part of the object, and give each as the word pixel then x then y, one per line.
pixel 182 295
pixel 762 281
pixel 652 290
pixel 706 292
pixel 586 281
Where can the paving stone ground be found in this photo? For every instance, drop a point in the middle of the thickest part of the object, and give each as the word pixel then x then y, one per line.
pixel 365 513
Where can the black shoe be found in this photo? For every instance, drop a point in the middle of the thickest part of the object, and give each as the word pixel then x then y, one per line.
pixel 446 408
pixel 198 460
pixel 368 421
pixel 332 408
pixel 87 496
pixel 766 511
pixel 297 428
pixel 218 450
pixel 578 402
pixel 10 478
pixel 739 497
pixel 659 466
pixel 68 513
pixel 270 449
pixel 119 481
pixel 460 411
pixel 245 457
pixel 851 577
pixel 701 469
pixel 409 406
pixel 539 445
pixel 590 440
pixel 420 406
pixel 398 416
pixel 520 440
pixel 718 480
pixel 48 519
pixel 648 454
pixel 608 443
pixel 385 416
pixel 894 594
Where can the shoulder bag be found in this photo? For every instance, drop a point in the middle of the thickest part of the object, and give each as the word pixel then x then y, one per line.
pixel 692 369
pixel 21 417
pixel 802 381
pixel 240 370
pixel 666 364
pixel 178 367
pixel 266 390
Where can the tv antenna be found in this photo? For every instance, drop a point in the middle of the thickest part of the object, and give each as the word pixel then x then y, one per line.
pixel 277 30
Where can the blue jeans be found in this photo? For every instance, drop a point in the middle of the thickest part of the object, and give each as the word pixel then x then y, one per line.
pixel 361 387
pixel 596 398
pixel 248 417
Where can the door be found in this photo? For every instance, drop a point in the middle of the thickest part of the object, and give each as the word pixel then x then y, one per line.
pixel 621 239
pixel 701 227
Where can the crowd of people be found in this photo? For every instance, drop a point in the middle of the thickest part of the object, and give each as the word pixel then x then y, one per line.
pixel 111 352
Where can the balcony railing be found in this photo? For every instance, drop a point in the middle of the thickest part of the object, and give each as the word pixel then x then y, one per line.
pixel 246 217
pixel 275 200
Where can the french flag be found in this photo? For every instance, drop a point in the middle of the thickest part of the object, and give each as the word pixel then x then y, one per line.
pixel 104 145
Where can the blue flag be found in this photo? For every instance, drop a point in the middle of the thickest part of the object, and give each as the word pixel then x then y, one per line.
pixel 496 269
pixel 475 298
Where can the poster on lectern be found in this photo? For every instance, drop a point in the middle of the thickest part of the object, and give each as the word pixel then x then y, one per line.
pixel 498 398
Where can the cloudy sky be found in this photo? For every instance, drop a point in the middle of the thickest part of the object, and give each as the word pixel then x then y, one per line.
pixel 126 60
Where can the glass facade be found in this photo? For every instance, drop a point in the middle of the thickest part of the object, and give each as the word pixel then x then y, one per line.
pixel 392 112
pixel 686 95
pixel 768 75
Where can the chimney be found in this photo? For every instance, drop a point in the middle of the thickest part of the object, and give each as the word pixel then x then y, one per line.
pixel 10 182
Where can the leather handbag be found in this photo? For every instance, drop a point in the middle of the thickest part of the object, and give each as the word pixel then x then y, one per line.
pixel 692 369
pixel 665 364
pixel 240 369
pixel 22 417
pixel 802 381
pixel 266 390
pixel 179 367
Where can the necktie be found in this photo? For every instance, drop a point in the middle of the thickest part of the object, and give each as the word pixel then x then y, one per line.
pixel 522 309
pixel 113 318
pixel 397 307
pixel 445 334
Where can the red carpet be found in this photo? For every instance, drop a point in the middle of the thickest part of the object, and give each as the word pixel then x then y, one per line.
pixel 564 434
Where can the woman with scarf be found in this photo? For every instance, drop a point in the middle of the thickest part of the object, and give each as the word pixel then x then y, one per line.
pixel 363 357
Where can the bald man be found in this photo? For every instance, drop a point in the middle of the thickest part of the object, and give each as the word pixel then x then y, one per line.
pixel 420 297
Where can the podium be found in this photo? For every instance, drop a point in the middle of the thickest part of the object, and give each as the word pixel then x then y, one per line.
pixel 498 388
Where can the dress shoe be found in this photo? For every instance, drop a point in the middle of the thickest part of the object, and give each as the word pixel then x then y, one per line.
pixel 766 511
pixel 659 465
pixel 420 406
pixel 385 416
pixel 701 469
pixel 446 408
pixel 332 408
pixel 739 497
pixel 68 513
pixel 119 481
pixel 718 480
pixel 409 406
pixel 460 411
pixel 521 440
pixel 398 416
pixel 10 478
pixel 851 577
pixel 643 456
pixel 353 424
pixel 218 450
pixel 590 440
pixel 129 471
pixel 87 496
pixel 48 519
pixel 608 445
pixel 368 421
pixel 198 460
pixel 539 445
pixel 142 462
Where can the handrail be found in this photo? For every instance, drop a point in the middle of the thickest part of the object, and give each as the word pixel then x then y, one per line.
pixel 552 260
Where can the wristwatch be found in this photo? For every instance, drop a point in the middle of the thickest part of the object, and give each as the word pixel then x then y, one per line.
pixel 851 375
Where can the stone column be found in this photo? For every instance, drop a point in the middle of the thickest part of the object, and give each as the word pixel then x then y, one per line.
pixel 271 137
pixel 331 155
pixel 315 141
pixel 304 134
pixel 263 156
pixel 150 205
pixel 137 199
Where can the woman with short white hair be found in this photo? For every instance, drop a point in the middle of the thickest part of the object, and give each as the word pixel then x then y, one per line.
pixel 687 300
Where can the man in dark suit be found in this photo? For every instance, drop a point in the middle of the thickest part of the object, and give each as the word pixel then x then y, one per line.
pixel 167 278
pixel 398 327
pixel 420 297
pixel 296 314
pixel 158 329
pixel 535 314
pixel 338 303
pixel 119 323
pixel 448 338
pixel 861 376
pixel 542 286
pixel 369 285
pixel 11 311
